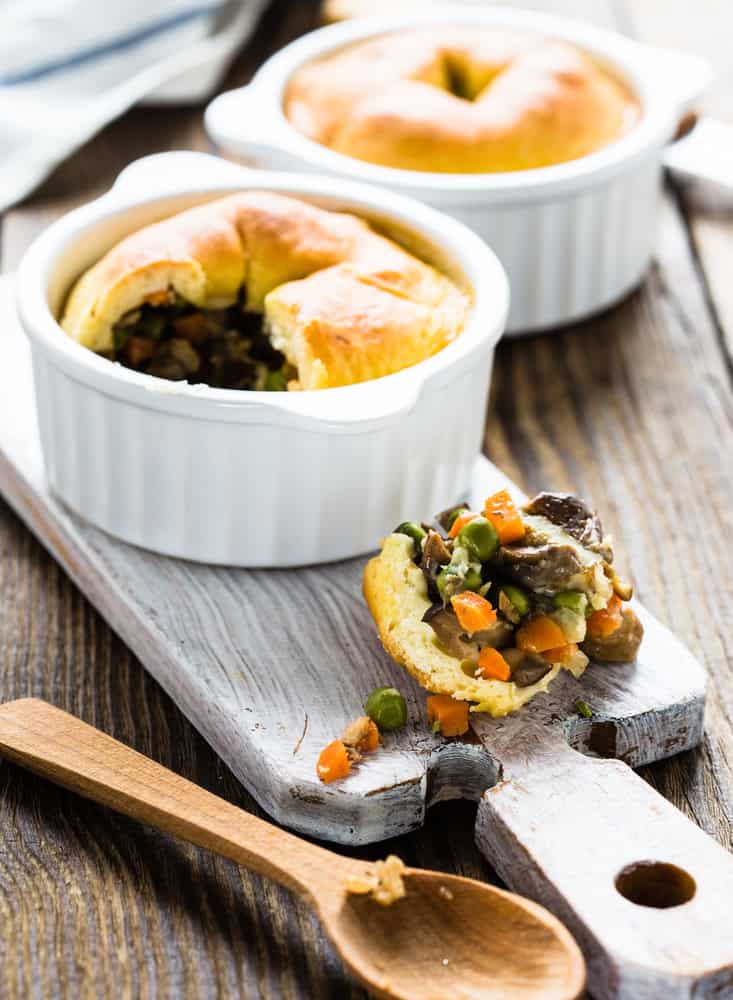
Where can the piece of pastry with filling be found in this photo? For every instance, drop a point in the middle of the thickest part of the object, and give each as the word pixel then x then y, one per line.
pixel 259 290
pixel 463 99
pixel 489 606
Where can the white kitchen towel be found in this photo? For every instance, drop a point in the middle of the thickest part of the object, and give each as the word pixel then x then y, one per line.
pixel 67 67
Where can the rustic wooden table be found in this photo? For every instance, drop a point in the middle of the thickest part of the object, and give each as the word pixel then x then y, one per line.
pixel 634 409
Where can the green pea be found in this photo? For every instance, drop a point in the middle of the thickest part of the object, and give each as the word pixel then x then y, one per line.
pixel 275 382
pixel 517 598
pixel 583 708
pixel 442 579
pixel 479 537
pixel 571 599
pixel 386 707
pixel 472 580
pixel 450 582
pixel 413 531
pixel 152 324
pixel 120 335
pixel 451 518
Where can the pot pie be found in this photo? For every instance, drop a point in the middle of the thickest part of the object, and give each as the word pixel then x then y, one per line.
pixel 489 606
pixel 258 290
pixel 467 99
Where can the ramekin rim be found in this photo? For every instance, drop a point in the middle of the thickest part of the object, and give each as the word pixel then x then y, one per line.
pixel 658 118
pixel 463 248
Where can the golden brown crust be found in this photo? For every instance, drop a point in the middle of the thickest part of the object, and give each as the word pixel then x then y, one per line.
pixel 395 591
pixel 341 326
pixel 460 100
pixel 345 303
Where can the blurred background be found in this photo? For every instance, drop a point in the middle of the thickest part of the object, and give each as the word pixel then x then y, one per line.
pixel 70 67
pixel 633 407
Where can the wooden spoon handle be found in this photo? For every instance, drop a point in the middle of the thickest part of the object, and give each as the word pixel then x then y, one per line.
pixel 647 894
pixel 66 750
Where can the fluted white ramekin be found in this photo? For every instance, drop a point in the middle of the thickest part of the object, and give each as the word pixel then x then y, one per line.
pixel 253 478
pixel 575 237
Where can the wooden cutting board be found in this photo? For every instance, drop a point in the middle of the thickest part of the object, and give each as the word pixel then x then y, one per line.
pixel 270 665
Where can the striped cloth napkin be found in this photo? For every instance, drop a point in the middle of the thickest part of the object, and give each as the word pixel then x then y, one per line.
pixel 68 67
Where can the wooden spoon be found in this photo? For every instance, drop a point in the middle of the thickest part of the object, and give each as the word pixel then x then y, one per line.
pixel 449 937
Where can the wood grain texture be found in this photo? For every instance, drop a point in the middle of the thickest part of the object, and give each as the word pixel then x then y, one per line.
pixel 635 409
pixel 440 935
pixel 204 634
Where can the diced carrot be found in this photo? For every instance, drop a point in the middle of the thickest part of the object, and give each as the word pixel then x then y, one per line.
pixel 473 611
pixel 193 328
pixel 137 350
pixel 492 665
pixel 160 298
pixel 605 622
pixel 539 634
pixel 448 716
pixel 333 762
pixel 370 740
pixel 461 521
pixel 561 654
pixel 500 509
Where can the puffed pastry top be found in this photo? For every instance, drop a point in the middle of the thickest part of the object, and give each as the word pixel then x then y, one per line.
pixel 342 302
pixel 460 100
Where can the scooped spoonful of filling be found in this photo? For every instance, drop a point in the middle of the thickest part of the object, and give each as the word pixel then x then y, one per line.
pixel 488 606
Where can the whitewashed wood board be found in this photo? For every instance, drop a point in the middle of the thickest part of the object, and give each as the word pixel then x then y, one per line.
pixel 270 665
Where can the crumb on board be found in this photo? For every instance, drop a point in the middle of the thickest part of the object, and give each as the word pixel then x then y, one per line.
pixel 445 892
pixel 384 882
pixel 335 760
pixel 360 736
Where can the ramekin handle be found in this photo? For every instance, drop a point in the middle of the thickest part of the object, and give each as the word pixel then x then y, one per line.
pixel 181 167
pixel 684 75
pixel 364 405
pixel 240 122
pixel 704 158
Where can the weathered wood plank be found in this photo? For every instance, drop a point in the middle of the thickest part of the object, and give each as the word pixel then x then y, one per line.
pixel 93 905
pixel 699 436
pixel 635 411
pixel 199 630
pixel 710 222
pixel 89 902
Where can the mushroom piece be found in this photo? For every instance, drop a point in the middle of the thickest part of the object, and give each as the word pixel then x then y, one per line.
pixel 575 517
pixel 435 555
pixel 455 641
pixel 174 359
pixel 527 668
pixel 620 646
pixel 549 560
pixel 446 516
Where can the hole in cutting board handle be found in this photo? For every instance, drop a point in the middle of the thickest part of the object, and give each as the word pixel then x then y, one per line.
pixel 655 883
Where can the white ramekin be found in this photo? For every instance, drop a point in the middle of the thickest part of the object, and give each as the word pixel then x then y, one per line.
pixel 574 238
pixel 252 478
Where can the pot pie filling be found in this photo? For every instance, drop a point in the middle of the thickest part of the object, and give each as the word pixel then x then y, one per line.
pixel 460 100
pixel 263 291
pixel 224 348
pixel 489 606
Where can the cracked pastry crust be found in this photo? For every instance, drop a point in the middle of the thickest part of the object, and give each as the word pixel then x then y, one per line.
pixel 460 100
pixel 342 302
